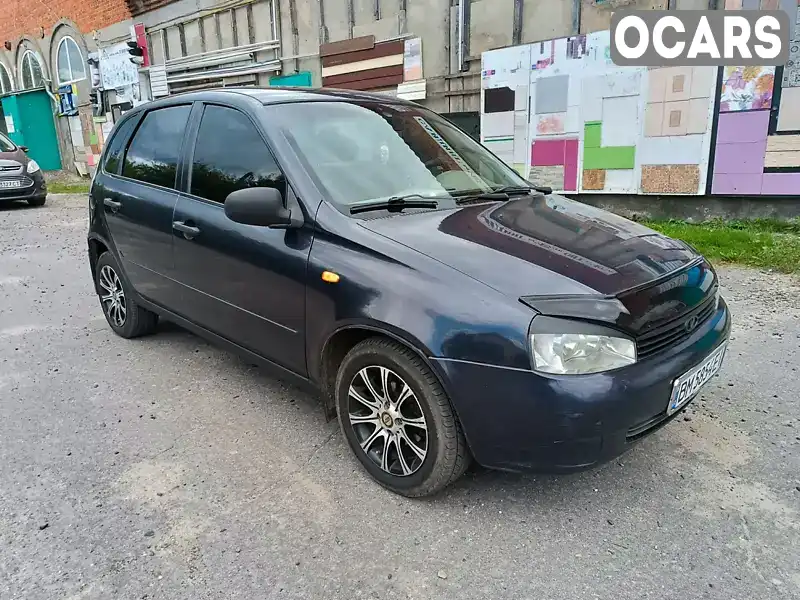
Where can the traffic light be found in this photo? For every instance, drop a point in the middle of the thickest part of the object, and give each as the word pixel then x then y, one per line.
pixel 136 53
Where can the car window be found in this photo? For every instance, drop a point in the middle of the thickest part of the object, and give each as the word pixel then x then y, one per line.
pixel 230 155
pixel 363 151
pixel 155 149
pixel 117 146
pixel 6 145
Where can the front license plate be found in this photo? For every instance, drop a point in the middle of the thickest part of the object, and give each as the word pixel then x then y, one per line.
pixel 10 184
pixel 687 385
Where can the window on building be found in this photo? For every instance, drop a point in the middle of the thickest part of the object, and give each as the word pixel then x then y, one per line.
pixel 5 80
pixel 155 149
pixel 230 155
pixel 70 62
pixel 31 68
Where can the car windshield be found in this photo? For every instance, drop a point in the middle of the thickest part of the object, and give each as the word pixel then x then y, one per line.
pixel 372 151
pixel 6 145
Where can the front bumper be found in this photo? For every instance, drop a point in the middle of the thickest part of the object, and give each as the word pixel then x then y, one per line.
pixel 37 189
pixel 520 420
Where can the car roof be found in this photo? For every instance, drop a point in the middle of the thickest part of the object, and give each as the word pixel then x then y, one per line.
pixel 276 95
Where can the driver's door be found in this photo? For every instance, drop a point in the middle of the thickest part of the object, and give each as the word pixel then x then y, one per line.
pixel 243 282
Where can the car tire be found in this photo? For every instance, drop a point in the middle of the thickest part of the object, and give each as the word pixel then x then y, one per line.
pixel 419 449
pixel 37 201
pixel 124 315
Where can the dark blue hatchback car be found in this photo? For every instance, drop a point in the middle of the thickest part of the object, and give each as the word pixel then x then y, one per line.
pixel 444 307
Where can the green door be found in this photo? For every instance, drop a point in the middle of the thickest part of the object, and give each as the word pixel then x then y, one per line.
pixel 29 119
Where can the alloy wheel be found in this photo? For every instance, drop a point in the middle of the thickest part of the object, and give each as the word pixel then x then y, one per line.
pixel 388 420
pixel 112 296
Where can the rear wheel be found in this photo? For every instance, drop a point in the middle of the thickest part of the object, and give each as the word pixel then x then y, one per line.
pixel 398 419
pixel 37 201
pixel 123 314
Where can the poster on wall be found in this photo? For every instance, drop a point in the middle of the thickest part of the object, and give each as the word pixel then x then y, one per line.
pixel 505 83
pixel 116 69
pixel 67 106
pixel 593 127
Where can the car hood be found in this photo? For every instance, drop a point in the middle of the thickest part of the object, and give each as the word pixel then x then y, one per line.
pixel 540 245
pixel 12 163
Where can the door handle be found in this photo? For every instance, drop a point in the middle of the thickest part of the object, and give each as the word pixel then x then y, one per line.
pixel 188 231
pixel 112 204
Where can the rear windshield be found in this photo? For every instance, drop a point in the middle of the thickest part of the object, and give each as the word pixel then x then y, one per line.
pixel 359 151
pixel 6 145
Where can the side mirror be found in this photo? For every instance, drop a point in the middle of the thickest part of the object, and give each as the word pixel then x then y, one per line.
pixel 23 148
pixel 260 206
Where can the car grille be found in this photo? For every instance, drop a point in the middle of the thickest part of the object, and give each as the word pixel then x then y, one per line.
pixel 14 191
pixel 676 331
pixel 5 168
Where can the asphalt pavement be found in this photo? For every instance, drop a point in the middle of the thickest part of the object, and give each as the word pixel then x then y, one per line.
pixel 165 468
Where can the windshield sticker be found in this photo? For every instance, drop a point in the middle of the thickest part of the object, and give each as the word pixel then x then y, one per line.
pixel 451 153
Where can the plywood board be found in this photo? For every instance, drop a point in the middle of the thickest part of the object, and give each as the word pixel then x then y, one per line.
pixel 551 94
pixel 740 158
pixel 783 143
pixel 671 179
pixel 782 159
pixel 653 119
pixel 551 124
pixel 551 176
pixel 738 127
pixel 500 99
pixel 497 124
pixel 548 153
pixel 593 179
pixel 685 149
pixel 572 124
pixel 620 181
pixel 592 98
pixel 678 84
pixel 789 111
pixel 698 118
pixel 780 184
pixel 620 121
pixel 676 118
pixel 592 136
pixel 657 84
pixel 704 82
pixel 622 83
pixel 611 157
pixel 737 184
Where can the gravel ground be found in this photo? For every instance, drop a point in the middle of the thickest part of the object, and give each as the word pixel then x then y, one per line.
pixel 164 468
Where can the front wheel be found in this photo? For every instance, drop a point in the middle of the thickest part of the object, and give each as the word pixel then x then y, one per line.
pixel 398 419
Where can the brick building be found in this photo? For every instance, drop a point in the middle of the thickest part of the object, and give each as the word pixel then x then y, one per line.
pixel 70 54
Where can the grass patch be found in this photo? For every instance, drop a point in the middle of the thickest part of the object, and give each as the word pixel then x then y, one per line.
pixel 67 188
pixel 763 243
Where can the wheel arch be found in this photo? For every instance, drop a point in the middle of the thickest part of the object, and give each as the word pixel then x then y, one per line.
pixel 345 338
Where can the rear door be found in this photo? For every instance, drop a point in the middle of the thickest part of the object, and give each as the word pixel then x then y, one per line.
pixel 139 198
pixel 243 282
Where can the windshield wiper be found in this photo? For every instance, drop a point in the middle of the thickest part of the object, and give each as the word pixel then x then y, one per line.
pixel 396 204
pixel 516 190
pixel 502 193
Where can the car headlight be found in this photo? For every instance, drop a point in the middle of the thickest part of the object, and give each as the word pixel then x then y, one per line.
pixel 33 166
pixel 579 353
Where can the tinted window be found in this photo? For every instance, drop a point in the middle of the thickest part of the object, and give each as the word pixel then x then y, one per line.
pixel 154 151
pixel 6 145
pixel 230 155
pixel 117 146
